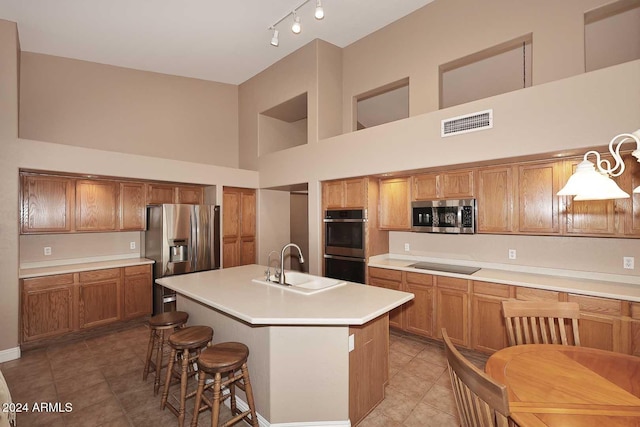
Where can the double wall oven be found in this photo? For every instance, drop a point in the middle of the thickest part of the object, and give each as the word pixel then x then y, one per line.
pixel 344 244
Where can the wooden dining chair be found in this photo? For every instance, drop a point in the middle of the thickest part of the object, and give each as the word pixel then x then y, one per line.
pixel 481 402
pixel 541 322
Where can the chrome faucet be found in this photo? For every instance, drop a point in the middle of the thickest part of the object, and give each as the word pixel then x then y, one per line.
pixel 281 278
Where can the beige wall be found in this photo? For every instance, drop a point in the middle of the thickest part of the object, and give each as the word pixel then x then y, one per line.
pixel 129 111
pixel 273 224
pixel 9 49
pixel 276 135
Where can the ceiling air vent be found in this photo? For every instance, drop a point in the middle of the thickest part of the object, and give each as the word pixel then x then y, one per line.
pixel 467 123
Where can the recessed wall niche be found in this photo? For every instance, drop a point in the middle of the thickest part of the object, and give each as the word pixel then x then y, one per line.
pixel 382 105
pixel 499 69
pixel 283 126
pixel 612 34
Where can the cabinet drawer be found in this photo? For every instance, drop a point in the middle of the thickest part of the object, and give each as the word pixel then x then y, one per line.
pixel 384 283
pixel 597 305
pixel 530 294
pixel 420 278
pixel 92 276
pixel 494 289
pixel 136 269
pixel 384 273
pixel 452 283
pixel 47 281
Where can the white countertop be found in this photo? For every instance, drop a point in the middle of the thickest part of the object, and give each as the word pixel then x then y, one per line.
pixel 232 291
pixel 598 284
pixel 75 267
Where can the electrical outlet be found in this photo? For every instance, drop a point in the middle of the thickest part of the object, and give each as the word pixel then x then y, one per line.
pixel 47 250
pixel 627 262
pixel 132 245
pixel 407 247
pixel 512 254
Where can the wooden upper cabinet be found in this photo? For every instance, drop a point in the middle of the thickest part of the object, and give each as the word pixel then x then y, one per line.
pixel 495 200
pixel 96 205
pixel 538 205
pixel 445 185
pixel 133 211
pixel 191 195
pixel 47 204
pixel 158 194
pixel 394 212
pixel 345 193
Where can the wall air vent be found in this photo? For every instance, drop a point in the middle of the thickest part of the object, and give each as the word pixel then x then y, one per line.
pixel 467 123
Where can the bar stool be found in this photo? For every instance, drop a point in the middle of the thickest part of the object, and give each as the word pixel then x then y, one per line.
pixel 159 325
pixel 218 360
pixel 186 345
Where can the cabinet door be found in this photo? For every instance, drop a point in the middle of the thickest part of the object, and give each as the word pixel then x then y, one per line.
pixel 635 329
pixel 47 204
pixel 47 307
pixel 239 226
pixel 96 205
pixel 602 324
pixel 495 200
pixel 538 184
pixel 488 330
pixel 247 250
pixel 452 309
pixel 158 194
pixel 138 291
pixel 333 194
pixel 133 211
pixel 457 184
pixel 425 186
pixel 248 213
pixel 355 191
pixel 419 311
pixel 99 297
pixel 190 195
pixel 394 212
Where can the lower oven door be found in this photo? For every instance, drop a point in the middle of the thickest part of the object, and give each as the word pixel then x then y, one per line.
pixel 345 268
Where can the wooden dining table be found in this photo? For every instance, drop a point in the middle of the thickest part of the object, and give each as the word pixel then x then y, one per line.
pixel 556 385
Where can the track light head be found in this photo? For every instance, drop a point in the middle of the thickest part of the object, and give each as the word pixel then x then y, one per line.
pixel 296 28
pixel 274 40
pixel 319 14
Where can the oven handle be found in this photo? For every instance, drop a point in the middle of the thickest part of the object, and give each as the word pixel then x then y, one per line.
pixel 344 220
pixel 344 258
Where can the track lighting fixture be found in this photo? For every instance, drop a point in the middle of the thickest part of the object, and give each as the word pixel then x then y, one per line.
pixel 319 14
pixel 296 27
pixel 274 39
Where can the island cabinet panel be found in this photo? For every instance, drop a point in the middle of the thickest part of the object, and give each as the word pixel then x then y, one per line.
pixel 418 313
pixel 138 291
pixel 538 205
pixel 99 297
pixel 389 279
pixel 238 226
pixel 47 307
pixel 133 211
pixel 368 367
pixel 96 205
pixel 603 323
pixel 495 200
pixel 47 204
pixel 394 212
pixel 452 308
pixel 488 329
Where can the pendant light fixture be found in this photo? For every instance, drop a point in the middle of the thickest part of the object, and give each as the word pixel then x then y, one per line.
pixel 319 13
pixel 296 27
pixel 589 183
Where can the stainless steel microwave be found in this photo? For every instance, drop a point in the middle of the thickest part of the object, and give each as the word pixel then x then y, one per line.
pixel 444 216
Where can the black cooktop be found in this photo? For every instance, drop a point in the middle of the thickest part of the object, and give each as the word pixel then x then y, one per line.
pixel 448 268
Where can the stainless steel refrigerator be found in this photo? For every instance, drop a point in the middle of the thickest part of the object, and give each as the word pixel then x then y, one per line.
pixel 180 239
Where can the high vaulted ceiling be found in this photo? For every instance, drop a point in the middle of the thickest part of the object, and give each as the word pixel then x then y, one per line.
pixel 223 41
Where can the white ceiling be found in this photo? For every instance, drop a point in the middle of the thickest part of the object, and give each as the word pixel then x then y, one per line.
pixel 223 41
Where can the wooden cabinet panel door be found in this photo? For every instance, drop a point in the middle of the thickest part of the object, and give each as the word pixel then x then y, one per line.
pixel 495 200
pixel 47 204
pixel 47 307
pixel 248 213
pixel 96 205
pixel 394 211
pixel 603 332
pixel 230 214
pixel 425 186
pixel 138 291
pixel 452 309
pixel 238 226
pixel 158 194
pixel 355 191
pixel 457 185
pixel 133 207
pixel 99 298
pixel 189 195
pixel 247 250
pixel 488 330
pixel 333 194
pixel 537 201
pixel 419 311
pixel 230 252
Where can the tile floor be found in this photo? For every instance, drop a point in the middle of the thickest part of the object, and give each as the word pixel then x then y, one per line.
pixel 101 377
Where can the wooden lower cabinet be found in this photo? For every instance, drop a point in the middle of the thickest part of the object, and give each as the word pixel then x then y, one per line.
pixel 53 306
pixel 418 313
pixel 452 309
pixel 488 330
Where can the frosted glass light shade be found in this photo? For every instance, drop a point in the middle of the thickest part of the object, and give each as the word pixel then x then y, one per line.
pixel 588 184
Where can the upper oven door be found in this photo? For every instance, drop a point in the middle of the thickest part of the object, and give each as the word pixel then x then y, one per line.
pixel 345 233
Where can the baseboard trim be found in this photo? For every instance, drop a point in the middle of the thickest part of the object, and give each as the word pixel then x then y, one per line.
pixel 9 354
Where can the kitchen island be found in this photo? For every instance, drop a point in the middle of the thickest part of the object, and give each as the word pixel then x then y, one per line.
pixel 315 360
